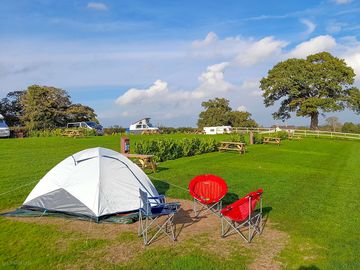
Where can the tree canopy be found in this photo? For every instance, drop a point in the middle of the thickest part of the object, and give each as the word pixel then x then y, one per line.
pixel 318 84
pixel 217 112
pixel 333 122
pixel 11 109
pixel 42 107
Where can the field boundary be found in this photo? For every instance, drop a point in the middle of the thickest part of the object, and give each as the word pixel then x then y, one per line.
pixel 302 132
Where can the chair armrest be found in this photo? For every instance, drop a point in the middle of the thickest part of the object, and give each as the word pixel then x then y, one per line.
pixel 160 197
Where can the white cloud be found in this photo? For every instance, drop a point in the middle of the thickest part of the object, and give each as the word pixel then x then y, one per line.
pixel 134 95
pixel 335 27
pixel 256 93
pixel 314 45
pixel 310 26
pixel 212 82
pixel 97 6
pixel 250 85
pixel 210 38
pixel 242 108
pixel 260 50
pixel 353 59
pixel 341 2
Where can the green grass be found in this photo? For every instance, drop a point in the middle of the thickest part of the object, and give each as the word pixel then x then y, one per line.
pixel 310 186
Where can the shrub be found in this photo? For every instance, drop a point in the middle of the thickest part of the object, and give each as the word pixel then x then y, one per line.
pixel 166 149
pixel 258 138
pixel 281 134
pixel 238 137
pixel 18 132
pixel 58 132
pixel 350 127
pixel 114 130
pixel 46 133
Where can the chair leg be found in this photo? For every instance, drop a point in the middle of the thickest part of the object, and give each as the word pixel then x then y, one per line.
pixel 195 208
pixel 140 227
pixel 222 226
pixel 163 228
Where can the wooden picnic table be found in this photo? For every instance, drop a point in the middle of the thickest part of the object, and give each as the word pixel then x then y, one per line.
pixel 232 146
pixel 146 161
pixel 272 140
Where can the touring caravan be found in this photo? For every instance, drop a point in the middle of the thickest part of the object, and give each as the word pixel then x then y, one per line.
pixel 142 125
pixel 217 130
pixel 4 129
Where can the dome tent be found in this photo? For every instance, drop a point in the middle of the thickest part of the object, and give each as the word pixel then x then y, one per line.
pixel 96 182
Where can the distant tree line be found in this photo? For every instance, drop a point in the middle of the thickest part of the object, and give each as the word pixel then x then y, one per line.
pixel 217 112
pixel 350 127
pixel 43 107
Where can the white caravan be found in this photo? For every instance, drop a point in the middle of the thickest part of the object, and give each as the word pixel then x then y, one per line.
pixel 142 125
pixel 217 130
pixel 4 129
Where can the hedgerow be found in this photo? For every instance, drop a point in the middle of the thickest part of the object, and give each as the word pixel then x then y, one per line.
pixel 167 149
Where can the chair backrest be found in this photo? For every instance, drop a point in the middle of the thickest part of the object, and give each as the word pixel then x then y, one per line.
pixel 242 208
pixel 208 188
pixel 146 205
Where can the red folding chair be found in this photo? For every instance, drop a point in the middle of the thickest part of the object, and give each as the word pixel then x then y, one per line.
pixel 207 191
pixel 241 214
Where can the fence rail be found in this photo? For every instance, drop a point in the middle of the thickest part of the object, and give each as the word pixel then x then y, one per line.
pixel 302 132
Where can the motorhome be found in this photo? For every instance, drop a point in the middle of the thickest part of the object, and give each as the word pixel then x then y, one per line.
pixel 4 129
pixel 141 126
pixel 88 124
pixel 217 130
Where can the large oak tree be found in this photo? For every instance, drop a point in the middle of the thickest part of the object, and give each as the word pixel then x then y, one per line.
pixel 46 107
pixel 318 84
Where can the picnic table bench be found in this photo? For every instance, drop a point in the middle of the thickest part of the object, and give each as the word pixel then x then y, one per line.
pixel 73 133
pixel 272 140
pixel 232 146
pixel 146 161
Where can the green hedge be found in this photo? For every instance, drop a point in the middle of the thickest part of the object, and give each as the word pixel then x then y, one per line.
pixel 167 149
pixel 58 132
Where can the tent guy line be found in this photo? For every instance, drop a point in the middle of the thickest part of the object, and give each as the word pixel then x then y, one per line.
pixel 6 192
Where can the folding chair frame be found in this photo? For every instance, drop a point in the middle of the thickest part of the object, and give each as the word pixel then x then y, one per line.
pixel 147 221
pixel 214 208
pixel 253 226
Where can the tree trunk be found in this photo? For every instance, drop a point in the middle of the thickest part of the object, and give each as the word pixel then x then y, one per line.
pixel 314 125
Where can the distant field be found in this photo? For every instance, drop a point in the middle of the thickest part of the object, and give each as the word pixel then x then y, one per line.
pixel 311 190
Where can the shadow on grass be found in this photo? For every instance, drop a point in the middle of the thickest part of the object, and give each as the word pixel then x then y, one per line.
pixel 161 186
pixel 265 216
pixel 230 198
pixel 183 219
pixel 311 267
pixel 160 169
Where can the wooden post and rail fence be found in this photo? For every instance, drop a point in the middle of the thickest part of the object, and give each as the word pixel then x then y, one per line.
pixel 301 132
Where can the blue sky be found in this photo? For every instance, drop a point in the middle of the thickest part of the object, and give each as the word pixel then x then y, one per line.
pixel 130 59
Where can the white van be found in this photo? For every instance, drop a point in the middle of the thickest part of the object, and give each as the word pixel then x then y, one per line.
pixel 4 129
pixel 88 124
